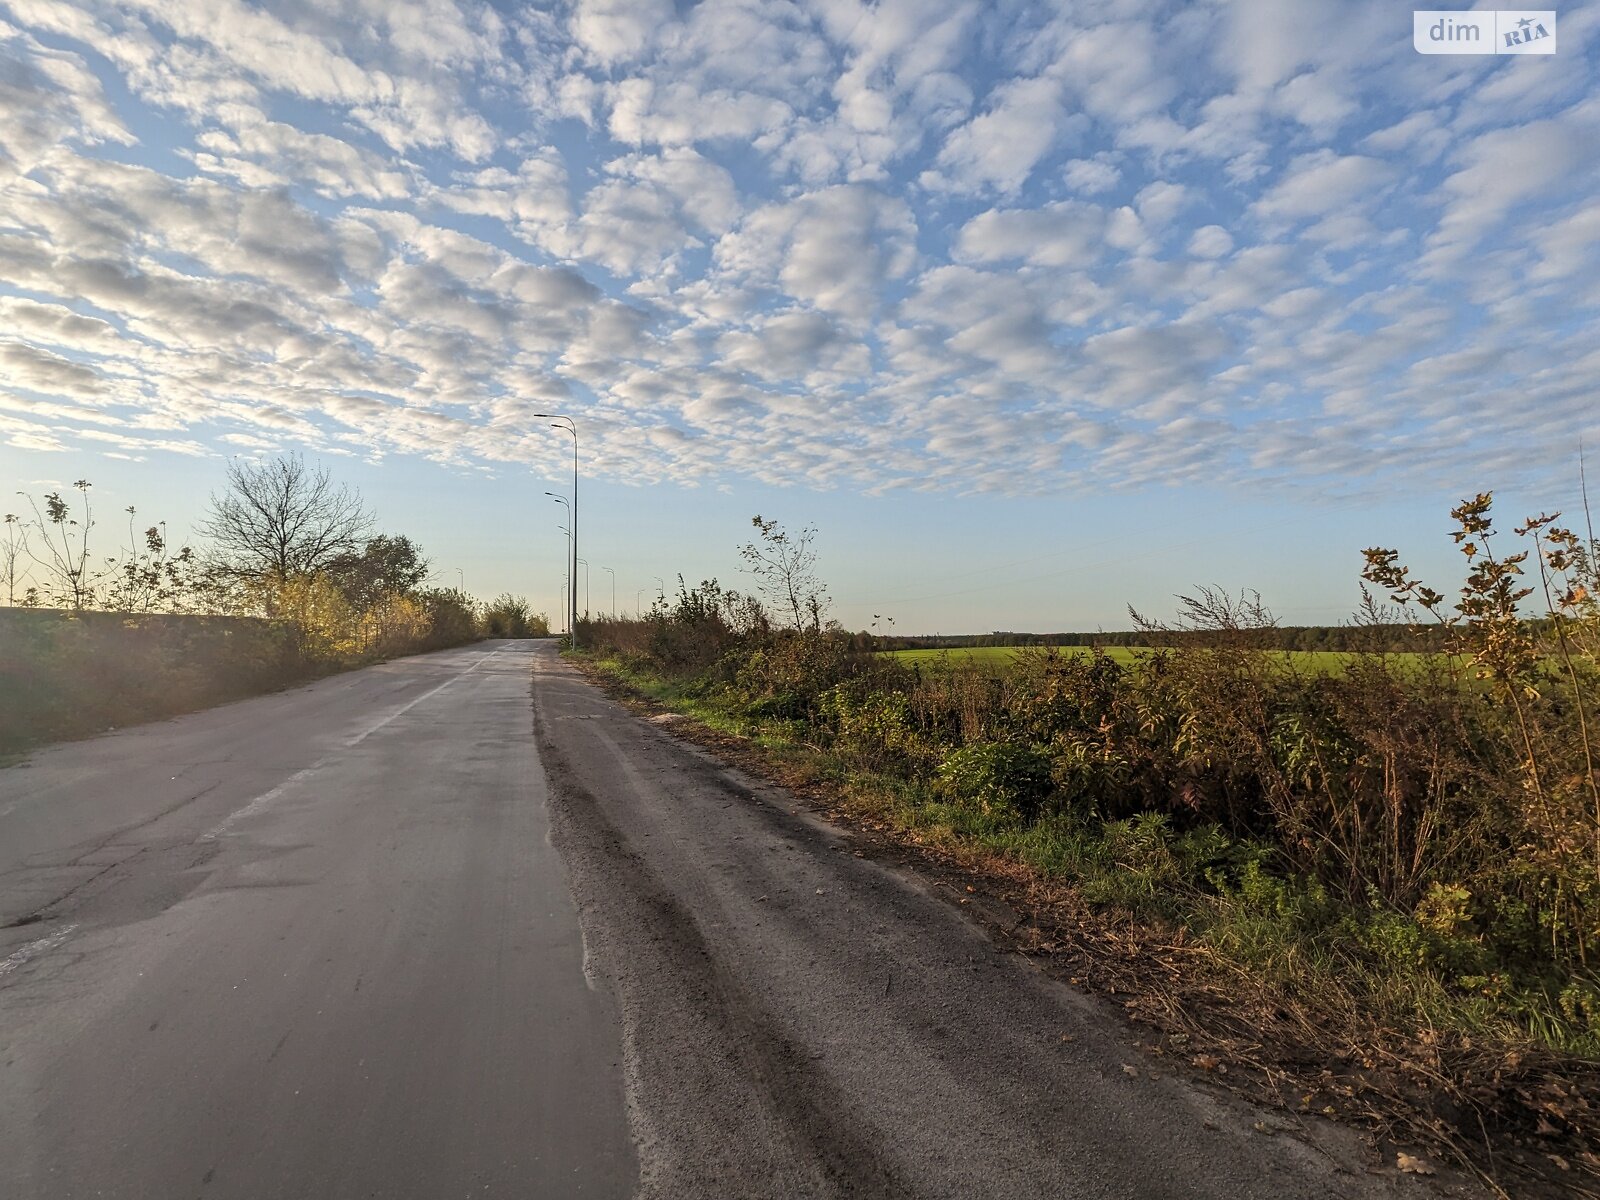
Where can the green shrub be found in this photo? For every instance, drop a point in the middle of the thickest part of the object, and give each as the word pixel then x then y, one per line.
pixel 509 616
pixel 1090 777
pixel 1427 823
pixel 783 706
pixel 1001 779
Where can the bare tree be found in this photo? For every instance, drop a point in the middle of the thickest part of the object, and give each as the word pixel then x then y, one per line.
pixel 12 549
pixel 64 548
pixel 281 518
pixel 784 565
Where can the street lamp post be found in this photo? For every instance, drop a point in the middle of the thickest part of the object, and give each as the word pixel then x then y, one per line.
pixel 566 566
pixel 571 427
pixel 586 607
pixel 613 575
pixel 568 583
pixel 661 587
pixel 638 603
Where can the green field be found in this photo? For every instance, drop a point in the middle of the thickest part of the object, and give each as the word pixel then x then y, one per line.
pixel 999 658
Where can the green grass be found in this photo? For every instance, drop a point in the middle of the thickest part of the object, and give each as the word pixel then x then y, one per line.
pixel 1321 662
pixel 998 656
pixel 1146 868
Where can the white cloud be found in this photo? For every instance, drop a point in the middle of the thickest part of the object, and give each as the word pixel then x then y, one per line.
pixel 999 149
pixel 1502 170
pixel 796 345
pixel 1210 241
pixel 47 97
pixel 675 114
pixel 1158 203
pixel 614 31
pixel 1570 245
pixel 642 216
pixel 1420 136
pixel 1002 320
pixel 1065 234
pixel 1007 247
pixel 1118 72
pixel 1320 100
pixel 221 40
pixel 1091 175
pixel 259 152
pixel 835 248
pixel 1324 182
pixel 530 200
pixel 39 370
pixel 1159 371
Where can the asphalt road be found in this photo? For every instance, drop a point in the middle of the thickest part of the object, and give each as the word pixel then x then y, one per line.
pixel 410 932
pixel 312 945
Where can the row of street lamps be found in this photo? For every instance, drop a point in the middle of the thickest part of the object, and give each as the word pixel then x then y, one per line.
pixel 571 428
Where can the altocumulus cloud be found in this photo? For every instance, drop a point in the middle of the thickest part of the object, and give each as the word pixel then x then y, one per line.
pixel 915 243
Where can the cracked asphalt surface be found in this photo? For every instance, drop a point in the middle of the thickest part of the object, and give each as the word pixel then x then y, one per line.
pixel 410 933
pixel 311 945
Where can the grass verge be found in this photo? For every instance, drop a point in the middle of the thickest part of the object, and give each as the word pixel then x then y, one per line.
pixel 1265 987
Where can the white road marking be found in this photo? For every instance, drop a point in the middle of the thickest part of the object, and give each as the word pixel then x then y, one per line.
pixel 260 801
pixel 405 708
pixel 268 797
pixel 33 949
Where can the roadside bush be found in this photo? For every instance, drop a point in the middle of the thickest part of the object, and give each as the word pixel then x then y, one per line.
pixel 325 623
pixel 1410 819
pixel 292 589
pixel 876 723
pixel 451 620
pixel 509 616
pixel 786 663
pixel 1003 779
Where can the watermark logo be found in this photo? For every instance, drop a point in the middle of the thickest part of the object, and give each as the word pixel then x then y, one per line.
pixel 1484 31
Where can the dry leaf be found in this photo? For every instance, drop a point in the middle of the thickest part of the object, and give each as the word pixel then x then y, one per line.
pixel 1413 1165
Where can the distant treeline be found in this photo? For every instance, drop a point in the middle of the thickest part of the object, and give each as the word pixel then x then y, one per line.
pixel 1370 638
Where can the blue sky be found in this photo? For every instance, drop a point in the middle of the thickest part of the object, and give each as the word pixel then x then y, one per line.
pixel 1035 310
